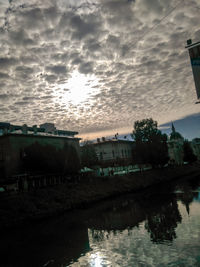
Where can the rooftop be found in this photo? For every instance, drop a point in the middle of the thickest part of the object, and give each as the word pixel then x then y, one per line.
pixel 113 140
pixel 46 129
pixel 190 44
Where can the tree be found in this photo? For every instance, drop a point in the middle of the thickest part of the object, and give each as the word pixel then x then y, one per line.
pixel 48 159
pixel 40 158
pixel 88 155
pixel 144 130
pixel 188 154
pixel 150 144
pixel 72 161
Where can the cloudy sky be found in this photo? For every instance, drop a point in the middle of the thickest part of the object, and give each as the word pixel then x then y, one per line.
pixel 96 66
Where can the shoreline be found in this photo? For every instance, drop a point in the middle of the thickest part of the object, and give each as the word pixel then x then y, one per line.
pixel 26 208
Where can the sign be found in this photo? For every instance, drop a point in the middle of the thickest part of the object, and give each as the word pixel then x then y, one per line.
pixel 194 52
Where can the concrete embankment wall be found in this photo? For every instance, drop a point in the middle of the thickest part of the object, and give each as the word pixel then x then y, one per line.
pixel 50 201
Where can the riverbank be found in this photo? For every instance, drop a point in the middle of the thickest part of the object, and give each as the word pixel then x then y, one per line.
pixel 27 207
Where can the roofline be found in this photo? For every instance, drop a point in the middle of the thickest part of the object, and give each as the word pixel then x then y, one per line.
pixel 6 125
pixel 37 136
pixel 67 132
pixel 112 141
pixel 192 45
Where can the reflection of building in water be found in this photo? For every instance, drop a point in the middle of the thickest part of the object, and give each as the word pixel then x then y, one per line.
pixel 161 216
pixel 197 197
pixel 125 214
pixel 187 198
pixel 194 52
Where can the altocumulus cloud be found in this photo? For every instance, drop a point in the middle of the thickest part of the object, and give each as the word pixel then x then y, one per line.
pixel 134 50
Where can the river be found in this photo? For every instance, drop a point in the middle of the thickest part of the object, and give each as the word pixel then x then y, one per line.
pixel 158 227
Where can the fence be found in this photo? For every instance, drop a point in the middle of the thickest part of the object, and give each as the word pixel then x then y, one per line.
pixel 27 183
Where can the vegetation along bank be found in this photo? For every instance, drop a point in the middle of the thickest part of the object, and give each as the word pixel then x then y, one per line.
pixel 16 209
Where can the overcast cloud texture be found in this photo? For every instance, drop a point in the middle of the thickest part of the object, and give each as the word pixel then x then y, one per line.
pixel 131 53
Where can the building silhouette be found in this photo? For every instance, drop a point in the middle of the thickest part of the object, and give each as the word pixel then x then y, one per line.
pixel 14 140
pixel 175 147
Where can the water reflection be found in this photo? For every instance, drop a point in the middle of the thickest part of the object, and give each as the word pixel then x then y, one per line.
pixel 53 244
pixel 148 230
pixel 162 224
pixel 161 216
pixel 187 195
pixel 160 227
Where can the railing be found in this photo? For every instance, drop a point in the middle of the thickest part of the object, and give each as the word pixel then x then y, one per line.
pixel 26 183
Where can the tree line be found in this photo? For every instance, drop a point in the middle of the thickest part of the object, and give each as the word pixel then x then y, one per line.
pixel 48 159
pixel 150 147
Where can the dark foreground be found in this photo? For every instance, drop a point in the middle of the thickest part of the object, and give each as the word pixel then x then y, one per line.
pixel 27 207
pixel 158 226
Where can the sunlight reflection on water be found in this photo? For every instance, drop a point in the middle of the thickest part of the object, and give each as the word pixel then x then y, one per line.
pixel 160 227
pixel 134 247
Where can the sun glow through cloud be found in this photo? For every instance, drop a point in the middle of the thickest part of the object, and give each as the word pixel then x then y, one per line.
pixel 98 66
pixel 78 89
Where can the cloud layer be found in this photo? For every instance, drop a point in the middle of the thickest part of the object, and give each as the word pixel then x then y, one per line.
pixel 134 50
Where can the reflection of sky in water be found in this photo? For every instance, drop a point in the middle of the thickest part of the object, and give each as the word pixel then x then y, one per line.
pixel 197 198
pixel 133 247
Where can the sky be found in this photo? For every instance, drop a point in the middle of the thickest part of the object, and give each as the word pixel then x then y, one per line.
pixel 97 66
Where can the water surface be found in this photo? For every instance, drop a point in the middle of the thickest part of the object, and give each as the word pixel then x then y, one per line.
pixel 160 227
